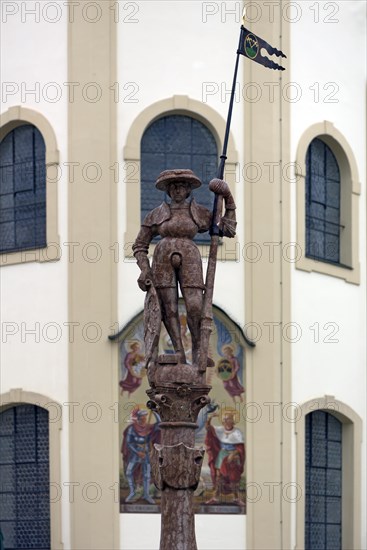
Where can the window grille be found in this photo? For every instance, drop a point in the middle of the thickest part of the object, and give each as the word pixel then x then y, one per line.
pixel 323 528
pixel 22 190
pixel 322 203
pixel 25 478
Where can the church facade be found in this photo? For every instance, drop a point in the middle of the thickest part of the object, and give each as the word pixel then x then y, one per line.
pixel 97 99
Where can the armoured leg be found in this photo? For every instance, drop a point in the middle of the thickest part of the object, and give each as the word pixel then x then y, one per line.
pixel 194 304
pixel 168 298
pixel 146 484
pixel 130 481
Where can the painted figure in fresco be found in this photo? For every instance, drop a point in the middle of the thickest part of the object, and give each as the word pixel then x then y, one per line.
pixel 137 441
pixel 228 369
pixel 134 365
pixel 226 457
pixel 185 337
pixel 176 258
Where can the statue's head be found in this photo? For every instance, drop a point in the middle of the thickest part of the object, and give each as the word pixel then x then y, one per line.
pixel 168 178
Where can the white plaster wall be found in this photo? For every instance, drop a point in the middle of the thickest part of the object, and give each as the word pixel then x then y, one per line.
pixel 329 56
pixel 34 292
pixel 212 532
pixel 34 295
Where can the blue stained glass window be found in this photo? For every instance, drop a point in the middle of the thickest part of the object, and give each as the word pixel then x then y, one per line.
pixel 322 203
pixel 177 141
pixel 323 482
pixel 22 190
pixel 24 472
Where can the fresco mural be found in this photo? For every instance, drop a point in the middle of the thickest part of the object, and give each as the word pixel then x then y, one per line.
pixel 221 426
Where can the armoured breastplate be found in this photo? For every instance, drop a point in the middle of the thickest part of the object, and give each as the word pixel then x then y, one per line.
pixel 180 224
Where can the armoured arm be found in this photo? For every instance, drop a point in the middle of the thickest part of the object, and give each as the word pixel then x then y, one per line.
pixel 140 249
pixel 131 442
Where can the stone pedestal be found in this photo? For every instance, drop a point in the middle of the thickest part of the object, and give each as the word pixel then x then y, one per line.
pixel 177 394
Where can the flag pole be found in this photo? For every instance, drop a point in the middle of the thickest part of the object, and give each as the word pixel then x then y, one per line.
pixel 215 233
pixel 250 45
pixel 223 157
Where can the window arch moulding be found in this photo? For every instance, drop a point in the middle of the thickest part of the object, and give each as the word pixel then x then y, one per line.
pixel 176 105
pixel 18 396
pixel 9 120
pixel 349 268
pixel 352 467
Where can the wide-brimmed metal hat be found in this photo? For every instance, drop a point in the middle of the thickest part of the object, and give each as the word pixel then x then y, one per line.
pixel 173 176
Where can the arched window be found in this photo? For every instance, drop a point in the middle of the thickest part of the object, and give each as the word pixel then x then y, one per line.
pixel 25 477
pixel 323 522
pixel 177 141
pixel 22 190
pixel 328 193
pixel 322 203
pixel 204 120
